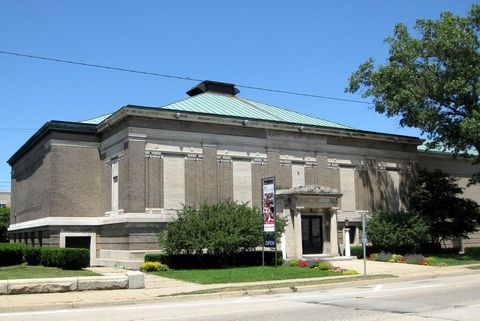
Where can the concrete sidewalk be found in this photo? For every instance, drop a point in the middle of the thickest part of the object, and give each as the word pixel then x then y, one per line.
pixel 158 287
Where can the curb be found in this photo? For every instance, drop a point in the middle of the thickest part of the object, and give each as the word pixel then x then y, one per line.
pixel 130 280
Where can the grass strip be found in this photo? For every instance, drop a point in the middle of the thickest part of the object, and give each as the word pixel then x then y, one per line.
pixel 25 271
pixel 454 259
pixel 244 274
pixel 292 285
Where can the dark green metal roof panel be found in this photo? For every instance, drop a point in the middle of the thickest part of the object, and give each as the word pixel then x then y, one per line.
pixel 227 105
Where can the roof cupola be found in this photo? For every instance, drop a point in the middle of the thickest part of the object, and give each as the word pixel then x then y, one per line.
pixel 213 87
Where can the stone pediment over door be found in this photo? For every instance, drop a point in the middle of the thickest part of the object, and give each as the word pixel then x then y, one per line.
pixel 309 196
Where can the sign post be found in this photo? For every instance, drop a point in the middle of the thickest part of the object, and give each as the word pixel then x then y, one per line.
pixel 364 242
pixel 269 214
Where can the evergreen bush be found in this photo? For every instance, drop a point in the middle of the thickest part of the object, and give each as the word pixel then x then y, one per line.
pixel 473 251
pixel 11 254
pixel 32 255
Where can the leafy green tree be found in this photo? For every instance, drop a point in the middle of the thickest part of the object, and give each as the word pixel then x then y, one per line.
pixel 4 223
pixel 437 198
pixel 224 228
pixel 397 231
pixel 431 81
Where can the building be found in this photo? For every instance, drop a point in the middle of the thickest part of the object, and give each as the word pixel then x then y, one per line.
pixel 111 182
pixel 4 199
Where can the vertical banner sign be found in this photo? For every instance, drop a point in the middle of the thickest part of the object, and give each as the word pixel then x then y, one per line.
pixel 268 204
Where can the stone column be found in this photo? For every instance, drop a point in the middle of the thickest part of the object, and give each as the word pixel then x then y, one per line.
pixel 333 233
pixel 297 223
pixel 346 241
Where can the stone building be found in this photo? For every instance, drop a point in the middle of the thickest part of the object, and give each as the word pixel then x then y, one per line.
pixel 111 182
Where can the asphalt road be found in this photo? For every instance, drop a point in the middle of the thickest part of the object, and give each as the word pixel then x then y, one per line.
pixel 442 298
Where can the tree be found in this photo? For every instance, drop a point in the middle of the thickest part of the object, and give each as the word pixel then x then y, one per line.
pixel 225 228
pixel 4 223
pixel 431 81
pixel 436 198
pixel 397 232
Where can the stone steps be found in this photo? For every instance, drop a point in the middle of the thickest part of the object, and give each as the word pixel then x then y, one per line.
pixel 124 259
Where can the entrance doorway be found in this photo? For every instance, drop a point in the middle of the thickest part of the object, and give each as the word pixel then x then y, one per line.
pixel 86 240
pixel 82 242
pixel 312 240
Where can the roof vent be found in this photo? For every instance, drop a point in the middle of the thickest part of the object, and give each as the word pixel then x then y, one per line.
pixel 213 87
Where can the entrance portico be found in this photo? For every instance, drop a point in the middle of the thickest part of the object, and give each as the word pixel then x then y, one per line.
pixel 311 220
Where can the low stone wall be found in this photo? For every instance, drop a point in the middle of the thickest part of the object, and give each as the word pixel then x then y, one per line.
pixel 129 280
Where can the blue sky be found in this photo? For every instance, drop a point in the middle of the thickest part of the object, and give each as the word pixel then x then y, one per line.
pixel 305 46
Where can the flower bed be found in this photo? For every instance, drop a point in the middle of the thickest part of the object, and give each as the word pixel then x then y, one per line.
pixel 321 266
pixel 418 259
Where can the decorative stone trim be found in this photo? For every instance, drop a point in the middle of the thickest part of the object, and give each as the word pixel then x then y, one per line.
pixel 224 159
pixel 260 161
pixel 153 154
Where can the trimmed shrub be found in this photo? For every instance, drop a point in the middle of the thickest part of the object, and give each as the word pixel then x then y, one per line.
pixel 397 258
pixel 153 267
pixel 65 258
pixel 415 259
pixel 358 250
pixel 154 257
pixel 473 251
pixel 209 261
pixel 50 256
pixel 11 254
pixel 324 266
pixel 293 263
pixel 32 255
pixel 74 259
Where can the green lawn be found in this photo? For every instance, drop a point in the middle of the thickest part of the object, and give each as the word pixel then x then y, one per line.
pixel 244 274
pixel 33 272
pixel 454 259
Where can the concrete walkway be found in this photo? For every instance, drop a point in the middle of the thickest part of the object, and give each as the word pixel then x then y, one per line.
pixel 157 286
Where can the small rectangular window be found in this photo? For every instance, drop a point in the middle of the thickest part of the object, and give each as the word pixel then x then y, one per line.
pixel 115 186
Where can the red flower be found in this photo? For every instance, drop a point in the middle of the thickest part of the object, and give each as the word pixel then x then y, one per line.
pixel 302 264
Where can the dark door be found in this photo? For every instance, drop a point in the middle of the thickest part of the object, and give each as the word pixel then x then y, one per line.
pixel 312 240
pixel 82 242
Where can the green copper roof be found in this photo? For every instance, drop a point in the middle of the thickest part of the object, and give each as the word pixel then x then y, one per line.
pixel 228 105
pixel 442 150
pixel 96 120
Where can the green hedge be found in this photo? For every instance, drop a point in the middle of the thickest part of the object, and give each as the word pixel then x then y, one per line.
pixel 75 259
pixel 32 255
pixel 208 261
pixel 358 250
pixel 11 254
pixel 473 251
pixel 65 258
pixel 50 256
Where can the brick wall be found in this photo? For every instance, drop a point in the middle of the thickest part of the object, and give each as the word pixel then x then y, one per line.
pixel 224 180
pixel 194 192
pixel 154 182
pixel 77 174
pixel 135 156
pixel 31 189
pixel 210 174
